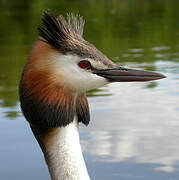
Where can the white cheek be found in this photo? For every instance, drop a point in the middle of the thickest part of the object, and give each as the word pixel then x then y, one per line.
pixel 87 81
pixel 73 76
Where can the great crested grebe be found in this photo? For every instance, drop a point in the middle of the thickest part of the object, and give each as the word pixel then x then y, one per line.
pixel 61 67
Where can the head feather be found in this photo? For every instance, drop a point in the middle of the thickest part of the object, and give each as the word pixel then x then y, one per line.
pixel 65 35
pixel 61 33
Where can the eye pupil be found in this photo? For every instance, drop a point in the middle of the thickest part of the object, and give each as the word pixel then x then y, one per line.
pixel 84 64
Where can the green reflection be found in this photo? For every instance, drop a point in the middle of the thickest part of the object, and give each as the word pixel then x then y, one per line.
pixel 97 92
pixel 151 85
pixel 11 114
pixel 126 31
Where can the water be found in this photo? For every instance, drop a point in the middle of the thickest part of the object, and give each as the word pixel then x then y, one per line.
pixel 133 133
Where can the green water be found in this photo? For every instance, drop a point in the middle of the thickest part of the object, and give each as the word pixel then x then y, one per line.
pixel 134 129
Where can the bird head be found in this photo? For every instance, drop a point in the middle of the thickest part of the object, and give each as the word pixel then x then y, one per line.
pixel 62 66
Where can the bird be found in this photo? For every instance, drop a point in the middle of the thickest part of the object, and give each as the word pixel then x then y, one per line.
pixel 61 68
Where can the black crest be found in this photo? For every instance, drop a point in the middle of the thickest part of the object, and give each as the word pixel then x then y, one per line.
pixel 65 35
pixel 61 33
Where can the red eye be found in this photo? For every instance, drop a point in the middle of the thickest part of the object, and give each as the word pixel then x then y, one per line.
pixel 84 64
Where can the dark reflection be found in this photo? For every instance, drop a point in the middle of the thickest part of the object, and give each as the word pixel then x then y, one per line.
pixel 138 31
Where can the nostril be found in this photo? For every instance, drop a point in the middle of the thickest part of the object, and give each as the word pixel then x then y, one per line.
pixel 122 69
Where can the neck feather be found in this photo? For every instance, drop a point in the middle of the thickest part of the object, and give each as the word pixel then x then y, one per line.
pixel 62 151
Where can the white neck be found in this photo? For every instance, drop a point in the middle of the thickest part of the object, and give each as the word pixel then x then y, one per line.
pixel 63 154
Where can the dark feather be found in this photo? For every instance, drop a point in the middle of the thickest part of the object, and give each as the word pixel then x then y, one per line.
pixel 49 115
pixel 42 114
pixel 82 109
pixel 60 32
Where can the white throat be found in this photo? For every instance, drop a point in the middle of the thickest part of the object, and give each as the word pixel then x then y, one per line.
pixel 64 155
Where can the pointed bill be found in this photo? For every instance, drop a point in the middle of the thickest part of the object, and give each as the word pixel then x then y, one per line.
pixel 127 75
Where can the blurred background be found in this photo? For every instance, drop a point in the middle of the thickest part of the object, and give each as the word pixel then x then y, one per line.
pixel 134 128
